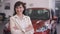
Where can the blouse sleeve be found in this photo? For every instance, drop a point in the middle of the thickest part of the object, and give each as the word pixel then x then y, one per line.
pixel 12 25
pixel 30 24
pixel 29 21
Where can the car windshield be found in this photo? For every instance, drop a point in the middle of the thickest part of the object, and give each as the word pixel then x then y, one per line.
pixel 38 14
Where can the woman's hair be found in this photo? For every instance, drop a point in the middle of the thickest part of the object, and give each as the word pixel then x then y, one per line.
pixel 18 3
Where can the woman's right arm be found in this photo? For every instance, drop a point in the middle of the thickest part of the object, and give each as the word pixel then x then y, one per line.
pixel 14 29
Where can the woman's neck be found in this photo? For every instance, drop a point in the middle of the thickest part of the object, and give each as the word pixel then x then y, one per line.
pixel 20 15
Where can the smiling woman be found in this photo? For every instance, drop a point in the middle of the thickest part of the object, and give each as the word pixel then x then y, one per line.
pixel 20 23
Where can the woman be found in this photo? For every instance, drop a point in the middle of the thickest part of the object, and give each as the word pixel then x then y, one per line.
pixel 20 23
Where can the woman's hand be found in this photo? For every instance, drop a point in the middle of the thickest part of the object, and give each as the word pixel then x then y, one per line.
pixel 30 27
pixel 15 27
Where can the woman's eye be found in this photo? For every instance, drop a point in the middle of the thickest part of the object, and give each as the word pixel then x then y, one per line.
pixel 20 7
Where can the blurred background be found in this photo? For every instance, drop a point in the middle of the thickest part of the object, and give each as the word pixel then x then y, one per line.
pixel 36 8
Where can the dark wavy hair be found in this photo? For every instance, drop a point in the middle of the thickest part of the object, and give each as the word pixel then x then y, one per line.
pixel 18 3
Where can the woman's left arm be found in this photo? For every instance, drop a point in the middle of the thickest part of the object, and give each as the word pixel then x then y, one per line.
pixel 30 26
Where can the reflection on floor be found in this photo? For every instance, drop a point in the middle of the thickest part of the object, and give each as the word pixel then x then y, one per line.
pixel 3 24
pixel 58 28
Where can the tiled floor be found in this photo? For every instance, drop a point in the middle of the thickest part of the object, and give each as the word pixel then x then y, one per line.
pixel 3 24
pixel 2 27
pixel 58 28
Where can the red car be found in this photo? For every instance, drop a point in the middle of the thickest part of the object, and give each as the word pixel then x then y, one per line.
pixel 39 16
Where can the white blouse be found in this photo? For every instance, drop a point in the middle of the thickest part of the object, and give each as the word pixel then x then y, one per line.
pixel 22 24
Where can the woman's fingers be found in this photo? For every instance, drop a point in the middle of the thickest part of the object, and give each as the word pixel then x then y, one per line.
pixel 15 28
pixel 29 28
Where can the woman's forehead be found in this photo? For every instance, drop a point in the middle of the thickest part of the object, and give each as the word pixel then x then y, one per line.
pixel 20 5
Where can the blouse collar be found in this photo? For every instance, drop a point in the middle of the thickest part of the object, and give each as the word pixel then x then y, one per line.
pixel 16 16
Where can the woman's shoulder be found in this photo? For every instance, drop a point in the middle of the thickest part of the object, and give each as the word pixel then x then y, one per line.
pixel 13 17
pixel 27 16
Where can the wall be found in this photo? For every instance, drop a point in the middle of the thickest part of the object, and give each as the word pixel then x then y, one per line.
pixel 1 7
pixel 29 4
pixel 8 12
pixel 37 3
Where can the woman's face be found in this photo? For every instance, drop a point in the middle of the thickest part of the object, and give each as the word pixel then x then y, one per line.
pixel 19 9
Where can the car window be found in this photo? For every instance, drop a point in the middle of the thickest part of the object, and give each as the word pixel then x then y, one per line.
pixel 38 14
